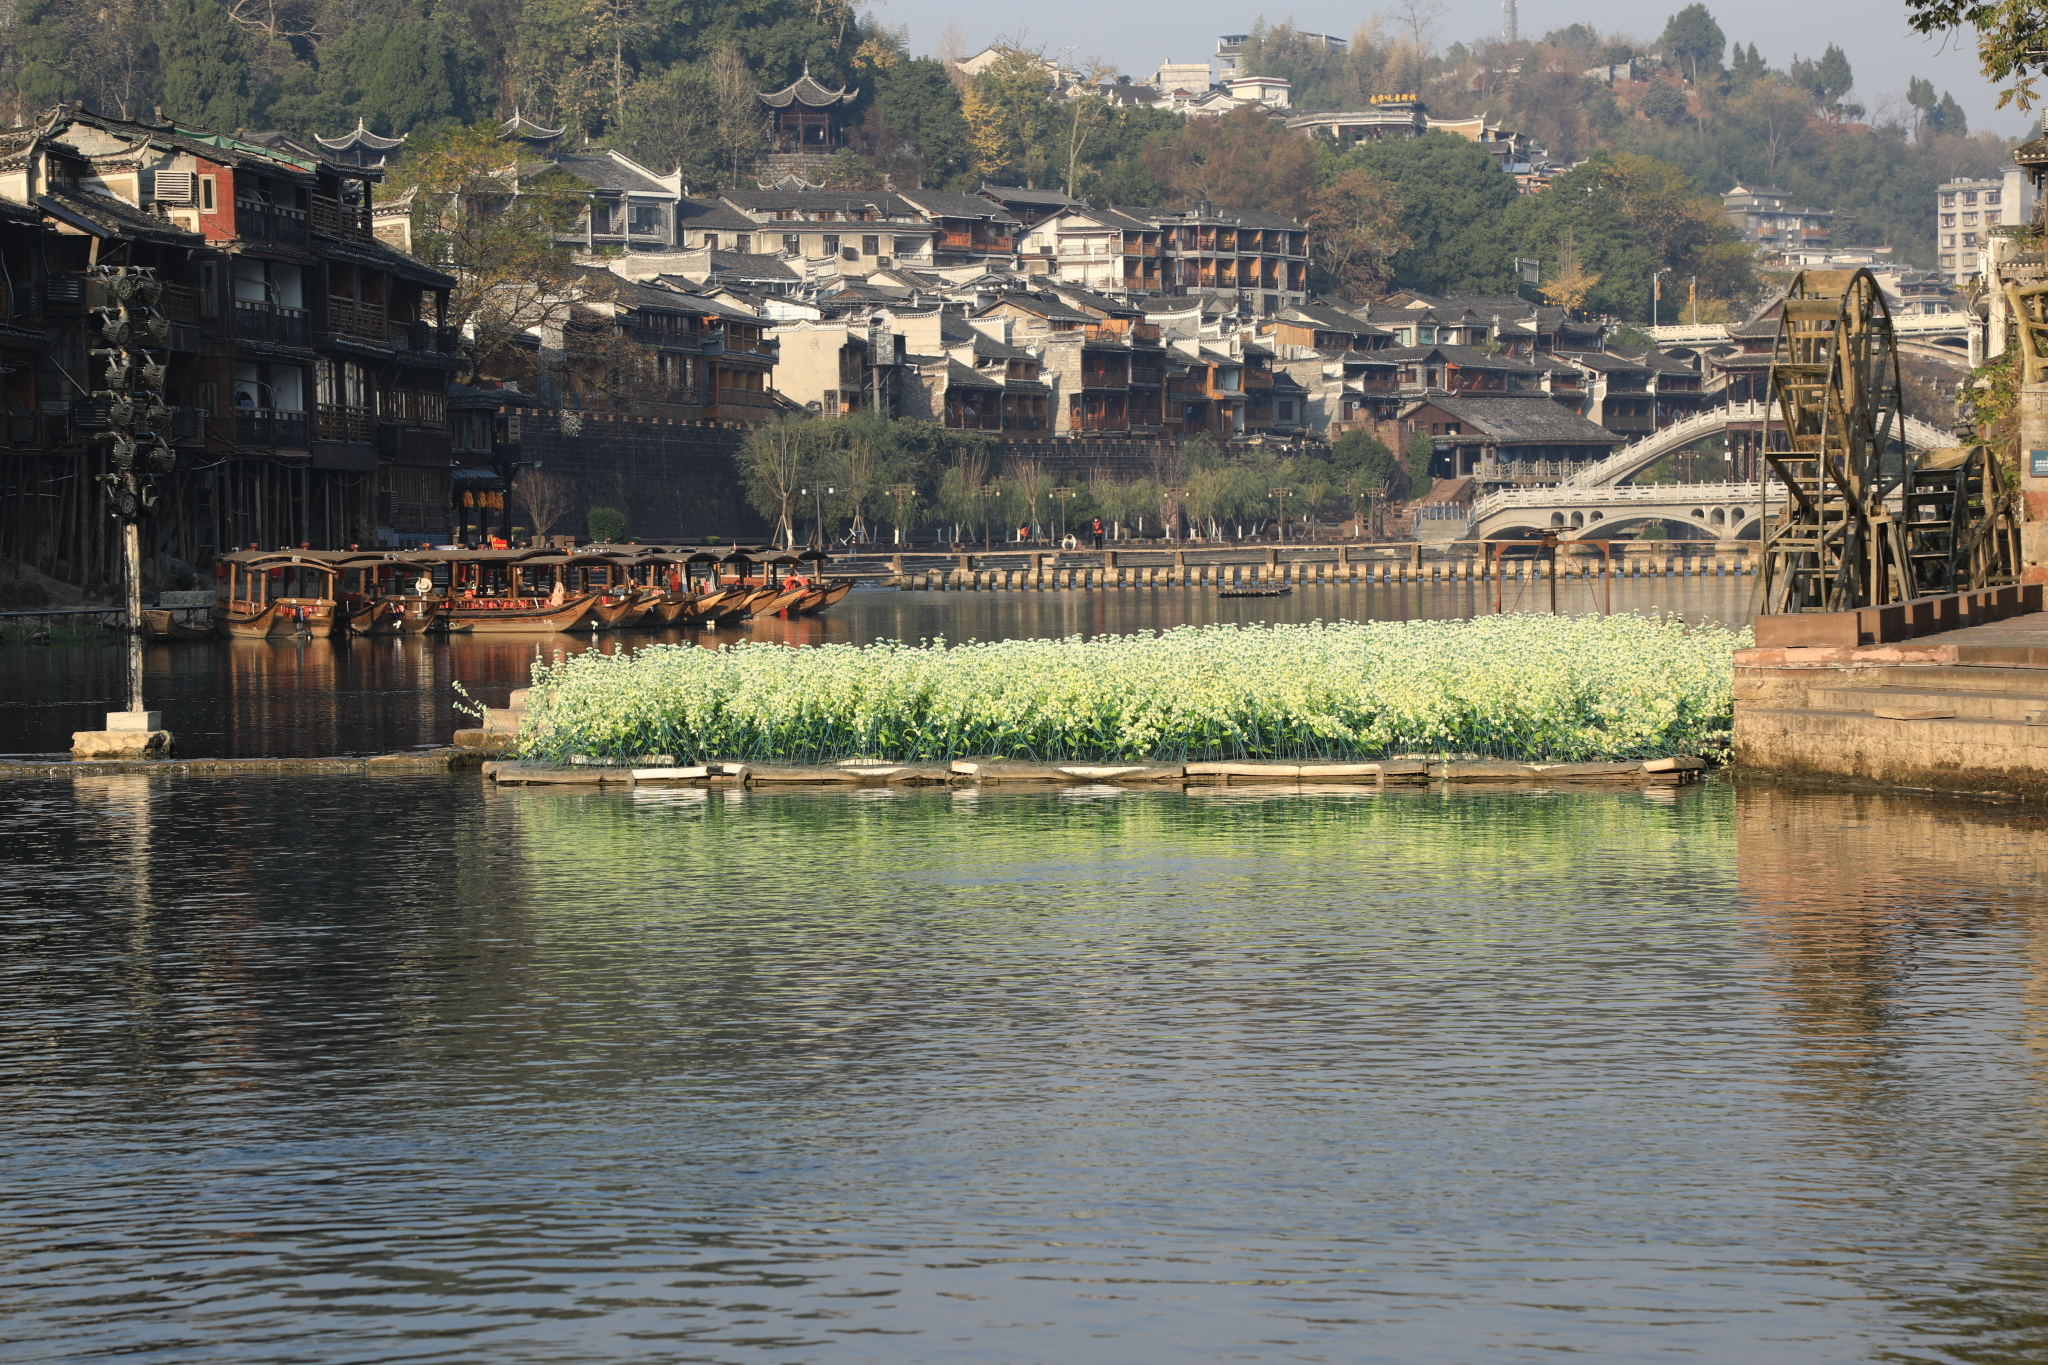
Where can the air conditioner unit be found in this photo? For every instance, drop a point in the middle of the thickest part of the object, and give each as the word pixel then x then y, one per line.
pixel 174 187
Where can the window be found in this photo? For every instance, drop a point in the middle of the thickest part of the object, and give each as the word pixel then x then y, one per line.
pixel 1969 239
pixel 870 246
pixel 1969 220
pixel 1970 198
pixel 743 242
pixel 830 243
pixel 1949 240
pixel 711 241
pixel 1948 201
pixel 1948 260
pixel 1948 220
pixel 644 220
pixel 208 190
pixel 792 244
pixel 206 397
pixel 1992 197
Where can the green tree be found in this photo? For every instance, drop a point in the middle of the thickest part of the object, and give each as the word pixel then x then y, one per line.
pixel 1453 198
pixel 605 524
pixel 496 231
pixel 2008 31
pixel 777 460
pixel 916 115
pixel 1354 225
pixel 1421 453
pixel 43 45
pixel 1245 159
pixel 669 124
pixel 1694 41
pixel 205 65
pixel 408 77
pixel 1745 69
pixel 1664 103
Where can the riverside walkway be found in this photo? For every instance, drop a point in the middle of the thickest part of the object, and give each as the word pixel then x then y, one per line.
pixel 1027 568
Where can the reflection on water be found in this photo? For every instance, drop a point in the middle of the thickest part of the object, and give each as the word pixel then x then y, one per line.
pixel 290 698
pixel 416 1069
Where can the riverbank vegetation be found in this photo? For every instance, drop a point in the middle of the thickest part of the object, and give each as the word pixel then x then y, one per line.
pixel 1531 688
pixel 863 478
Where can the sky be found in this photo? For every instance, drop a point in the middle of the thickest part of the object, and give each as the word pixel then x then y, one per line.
pixel 1882 51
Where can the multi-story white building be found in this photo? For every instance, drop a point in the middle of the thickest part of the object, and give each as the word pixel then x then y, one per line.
pixel 1965 212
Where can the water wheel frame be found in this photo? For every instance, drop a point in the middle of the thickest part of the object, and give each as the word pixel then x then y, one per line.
pixel 1836 385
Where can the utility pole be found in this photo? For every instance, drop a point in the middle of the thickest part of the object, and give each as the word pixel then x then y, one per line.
pixel 1655 289
pixel 141 453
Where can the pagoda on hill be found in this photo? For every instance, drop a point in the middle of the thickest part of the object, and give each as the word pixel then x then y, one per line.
pixel 361 148
pixel 809 119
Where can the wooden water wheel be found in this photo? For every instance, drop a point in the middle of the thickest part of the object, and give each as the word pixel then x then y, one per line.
pixel 1835 382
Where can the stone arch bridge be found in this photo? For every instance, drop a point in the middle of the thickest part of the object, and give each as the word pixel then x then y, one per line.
pixel 1596 501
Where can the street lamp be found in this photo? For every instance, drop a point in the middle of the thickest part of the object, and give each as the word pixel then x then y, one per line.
pixel 1281 495
pixel 985 493
pixel 817 496
pixel 1064 495
pixel 1655 288
pixel 903 493
pixel 1176 496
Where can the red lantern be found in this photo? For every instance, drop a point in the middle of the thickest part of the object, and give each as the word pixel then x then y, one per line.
pixel 220 571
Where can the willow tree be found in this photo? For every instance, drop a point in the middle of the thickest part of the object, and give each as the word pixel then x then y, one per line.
pixel 777 461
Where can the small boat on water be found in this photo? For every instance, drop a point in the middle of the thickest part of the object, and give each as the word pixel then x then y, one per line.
pixel 1283 590
pixel 265 593
pixel 513 592
pixel 388 593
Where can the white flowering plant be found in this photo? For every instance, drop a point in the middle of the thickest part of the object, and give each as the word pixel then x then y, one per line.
pixel 1517 686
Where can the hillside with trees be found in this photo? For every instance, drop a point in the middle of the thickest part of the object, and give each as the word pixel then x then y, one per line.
pixel 1662 129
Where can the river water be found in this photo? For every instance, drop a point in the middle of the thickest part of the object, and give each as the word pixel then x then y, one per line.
pixel 286 699
pixel 416 1069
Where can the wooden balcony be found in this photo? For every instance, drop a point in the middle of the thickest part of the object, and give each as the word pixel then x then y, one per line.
pixel 331 216
pixel 365 321
pixel 338 423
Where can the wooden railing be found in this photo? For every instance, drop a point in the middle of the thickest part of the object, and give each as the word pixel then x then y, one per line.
pixel 745 398
pixel 267 427
pixel 331 215
pixel 338 423
pixel 414 409
pixel 346 317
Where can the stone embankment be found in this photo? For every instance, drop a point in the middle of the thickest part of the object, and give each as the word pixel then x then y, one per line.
pixel 1947 694
pixel 1023 569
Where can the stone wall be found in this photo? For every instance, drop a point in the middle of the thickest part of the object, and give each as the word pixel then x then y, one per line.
pixel 673 480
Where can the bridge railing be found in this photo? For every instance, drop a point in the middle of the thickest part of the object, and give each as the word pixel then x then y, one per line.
pixel 1637 454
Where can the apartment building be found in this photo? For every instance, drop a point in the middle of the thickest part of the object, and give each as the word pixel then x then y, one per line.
pixel 1967 210
pixel 1766 217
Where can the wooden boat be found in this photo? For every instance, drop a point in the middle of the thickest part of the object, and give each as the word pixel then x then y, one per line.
pixel 261 593
pixel 161 625
pixel 511 592
pixel 374 597
pixel 1282 591
pixel 829 593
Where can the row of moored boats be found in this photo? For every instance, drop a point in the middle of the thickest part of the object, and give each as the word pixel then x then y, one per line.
pixel 394 592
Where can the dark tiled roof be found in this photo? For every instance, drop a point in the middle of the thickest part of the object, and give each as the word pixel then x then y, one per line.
pixel 607 173
pixel 826 201
pixel 1011 194
pixel 1464 357
pixel 1601 362
pixel 708 215
pixel 1036 304
pixel 806 90
pixel 960 376
pixel 1538 418
pixel 109 217
pixel 1330 318
pixel 943 204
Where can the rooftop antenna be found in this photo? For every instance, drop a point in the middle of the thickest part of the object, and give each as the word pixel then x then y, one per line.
pixel 1510 28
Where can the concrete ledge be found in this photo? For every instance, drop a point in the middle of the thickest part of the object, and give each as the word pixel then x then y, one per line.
pixel 2000 757
pixel 426 761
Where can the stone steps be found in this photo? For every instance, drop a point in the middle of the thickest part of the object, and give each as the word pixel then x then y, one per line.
pixel 2007 707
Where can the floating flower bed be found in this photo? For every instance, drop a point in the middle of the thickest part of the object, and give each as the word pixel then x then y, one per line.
pixel 1519 686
